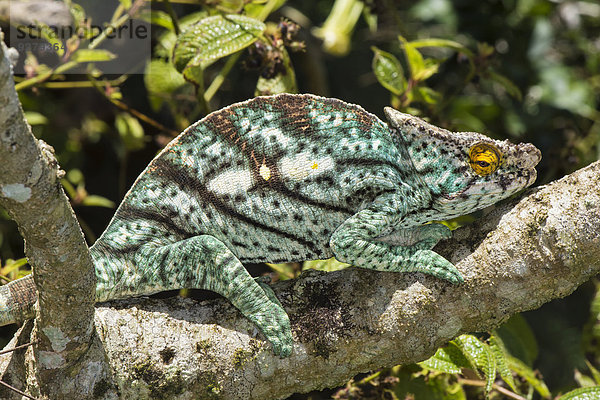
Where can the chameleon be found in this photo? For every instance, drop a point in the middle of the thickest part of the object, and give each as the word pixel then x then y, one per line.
pixel 288 178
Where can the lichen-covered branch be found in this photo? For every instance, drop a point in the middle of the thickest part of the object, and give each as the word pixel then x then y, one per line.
pixel 31 194
pixel 518 257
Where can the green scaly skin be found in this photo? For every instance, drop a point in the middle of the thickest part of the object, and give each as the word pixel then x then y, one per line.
pixel 291 178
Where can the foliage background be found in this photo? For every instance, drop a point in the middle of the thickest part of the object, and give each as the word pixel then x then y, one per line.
pixel 525 70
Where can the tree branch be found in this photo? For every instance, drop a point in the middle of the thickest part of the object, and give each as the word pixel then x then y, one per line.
pixel 518 257
pixel 31 194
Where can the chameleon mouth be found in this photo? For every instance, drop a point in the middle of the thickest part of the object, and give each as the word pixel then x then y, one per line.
pixel 505 184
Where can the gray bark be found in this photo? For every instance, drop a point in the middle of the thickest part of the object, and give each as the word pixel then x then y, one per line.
pixel 31 194
pixel 519 256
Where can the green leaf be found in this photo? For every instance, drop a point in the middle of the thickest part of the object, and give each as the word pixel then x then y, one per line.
pixel 161 79
pixel 527 373
pixel 433 42
pixel 589 393
pixel 157 17
pixel 130 130
pixel 93 200
pixel 583 380
pixel 448 359
pixel 214 37
pixel 262 8
pixel 594 371
pixel 519 339
pixel 52 38
pixel 92 55
pixel 325 265
pixel 284 270
pixel 431 387
pixel 388 71
pixel 427 95
pixel 480 355
pixel 35 118
pixel 12 265
pixel 414 59
pixel 283 82
pixel 500 354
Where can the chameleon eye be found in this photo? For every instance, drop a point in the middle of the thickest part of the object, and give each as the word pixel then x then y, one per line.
pixel 484 158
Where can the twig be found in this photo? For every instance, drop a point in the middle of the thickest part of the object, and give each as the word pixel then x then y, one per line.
pixel 17 391
pixel 504 391
pixel 18 347
pixel 14 389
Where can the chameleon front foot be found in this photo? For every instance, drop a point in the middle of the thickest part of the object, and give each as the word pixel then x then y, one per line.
pixel 431 263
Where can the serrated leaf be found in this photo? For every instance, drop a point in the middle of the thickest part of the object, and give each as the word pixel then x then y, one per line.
pixel 500 354
pixel 92 55
pixel 388 71
pixel 527 373
pixel 589 393
pixel 448 359
pixel 214 37
pixel 480 355
pixel 93 200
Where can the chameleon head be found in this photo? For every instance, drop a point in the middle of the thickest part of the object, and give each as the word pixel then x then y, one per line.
pixel 464 171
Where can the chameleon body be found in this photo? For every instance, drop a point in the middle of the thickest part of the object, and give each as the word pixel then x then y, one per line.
pixel 292 178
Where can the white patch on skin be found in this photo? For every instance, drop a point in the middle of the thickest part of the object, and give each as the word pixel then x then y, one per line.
pixel 231 182
pixel 322 118
pixel 17 192
pixel 245 123
pixel 57 338
pixel 282 139
pixel 301 166
pixel 214 148
pixel 338 120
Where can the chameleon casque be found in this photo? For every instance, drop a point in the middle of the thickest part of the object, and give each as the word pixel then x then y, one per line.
pixel 292 178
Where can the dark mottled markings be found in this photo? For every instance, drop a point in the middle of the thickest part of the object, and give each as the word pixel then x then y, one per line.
pixel 127 212
pixel 174 174
pixel 223 125
pixel 369 162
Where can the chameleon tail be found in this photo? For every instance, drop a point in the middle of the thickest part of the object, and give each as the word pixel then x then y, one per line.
pixel 16 300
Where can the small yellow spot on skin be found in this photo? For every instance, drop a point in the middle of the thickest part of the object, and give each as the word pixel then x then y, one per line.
pixel 315 166
pixel 265 172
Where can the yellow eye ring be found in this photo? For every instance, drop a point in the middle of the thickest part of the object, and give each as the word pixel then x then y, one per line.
pixel 484 158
